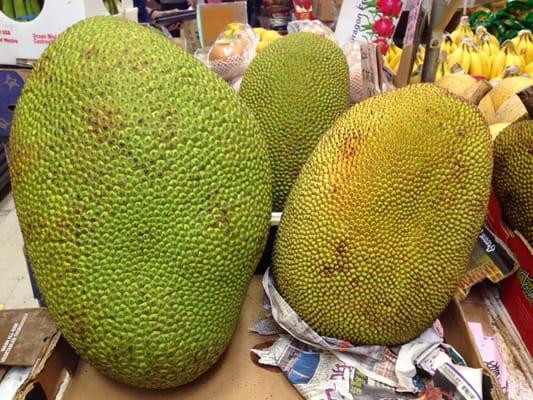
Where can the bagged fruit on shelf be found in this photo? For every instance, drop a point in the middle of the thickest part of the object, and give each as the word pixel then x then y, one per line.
pixel 312 26
pixel 232 51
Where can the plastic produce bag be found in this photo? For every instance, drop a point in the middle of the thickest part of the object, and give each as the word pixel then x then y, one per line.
pixel 314 26
pixel 231 53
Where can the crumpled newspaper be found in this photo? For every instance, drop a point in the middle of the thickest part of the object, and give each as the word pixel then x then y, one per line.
pixel 320 367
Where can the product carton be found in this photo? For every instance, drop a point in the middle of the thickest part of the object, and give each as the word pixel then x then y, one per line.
pixel 23 42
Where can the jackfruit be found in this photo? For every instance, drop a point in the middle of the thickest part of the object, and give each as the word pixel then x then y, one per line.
pixel 456 83
pixel 486 108
pixel 511 110
pixel 143 190
pixel 507 87
pixel 379 225
pixel 513 176
pixel 295 88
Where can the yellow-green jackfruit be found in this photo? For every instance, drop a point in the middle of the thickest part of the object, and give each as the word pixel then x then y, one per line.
pixel 379 226
pixel 143 190
pixel 513 176
pixel 295 88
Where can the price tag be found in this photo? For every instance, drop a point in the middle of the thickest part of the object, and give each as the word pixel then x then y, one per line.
pixel 367 70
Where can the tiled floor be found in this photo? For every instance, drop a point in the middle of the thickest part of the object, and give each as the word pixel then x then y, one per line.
pixel 15 288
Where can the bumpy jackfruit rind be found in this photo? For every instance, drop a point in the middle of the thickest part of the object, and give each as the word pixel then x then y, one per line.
pixel 143 192
pixel 513 176
pixel 378 228
pixel 296 88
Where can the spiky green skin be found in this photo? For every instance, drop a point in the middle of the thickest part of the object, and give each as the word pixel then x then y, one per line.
pixel 379 226
pixel 513 176
pixel 143 193
pixel 295 88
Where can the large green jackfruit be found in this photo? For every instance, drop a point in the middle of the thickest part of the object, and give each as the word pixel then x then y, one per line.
pixel 143 191
pixel 379 226
pixel 295 88
pixel 513 176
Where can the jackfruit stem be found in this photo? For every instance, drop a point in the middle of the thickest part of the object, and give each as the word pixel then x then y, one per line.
pixel 477 91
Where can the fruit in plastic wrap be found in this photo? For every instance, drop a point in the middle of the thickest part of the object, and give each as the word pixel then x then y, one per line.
pixel 143 190
pixel 379 226
pixel 232 51
pixel 311 26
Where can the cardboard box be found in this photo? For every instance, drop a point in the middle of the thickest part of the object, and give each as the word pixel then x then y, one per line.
pixel 28 340
pixel 234 376
pixel 213 18
pixel 23 42
pixel 517 290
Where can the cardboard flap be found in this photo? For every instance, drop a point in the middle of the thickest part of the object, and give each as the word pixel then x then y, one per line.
pixel 56 364
pixel 213 18
pixel 23 335
pixel 462 340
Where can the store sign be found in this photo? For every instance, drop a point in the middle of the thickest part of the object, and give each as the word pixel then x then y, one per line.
pixel 367 21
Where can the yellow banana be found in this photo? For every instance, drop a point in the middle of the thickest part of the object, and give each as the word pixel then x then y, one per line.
pixel 447 45
pixel 481 32
pixel 393 64
pixel 463 29
pixel 466 61
pixel 523 43
pixel 455 57
pixel 392 51
pixel 497 64
pixel 485 64
pixel 442 69
pixel 487 46
pixel 476 64
pixel 528 57
pixel 505 59
pixel 512 58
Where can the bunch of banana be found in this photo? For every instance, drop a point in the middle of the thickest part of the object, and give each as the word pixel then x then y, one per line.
pixel 395 60
pixel 442 69
pixel 485 43
pixel 482 33
pixel 447 46
pixel 523 43
pixel 463 29
pixel 505 58
pixel 470 58
pixel 419 60
pixel 393 53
